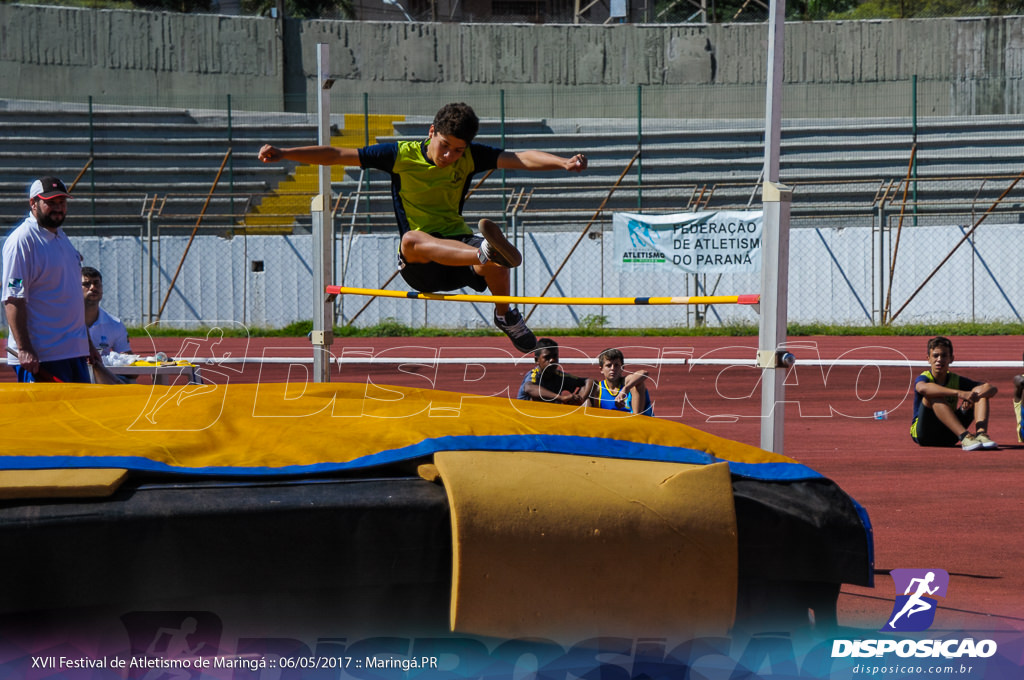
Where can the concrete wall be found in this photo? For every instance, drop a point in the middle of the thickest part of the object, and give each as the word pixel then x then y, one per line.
pixel 964 66
pixel 145 57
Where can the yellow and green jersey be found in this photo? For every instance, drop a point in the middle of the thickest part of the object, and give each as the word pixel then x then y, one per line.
pixel 426 197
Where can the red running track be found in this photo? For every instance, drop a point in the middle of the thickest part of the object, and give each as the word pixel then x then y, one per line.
pixel 930 508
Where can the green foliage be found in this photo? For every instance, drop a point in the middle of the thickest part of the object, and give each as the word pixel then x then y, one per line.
pixel 295 329
pixel 817 10
pixel 87 4
pixel 392 328
pixel 298 9
pixel 184 6
pixel 303 9
pixel 915 330
pixel 924 9
pixel 597 325
pixel 388 328
pixel 592 324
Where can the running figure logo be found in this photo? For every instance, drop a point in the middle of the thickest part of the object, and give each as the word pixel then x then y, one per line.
pixel 914 609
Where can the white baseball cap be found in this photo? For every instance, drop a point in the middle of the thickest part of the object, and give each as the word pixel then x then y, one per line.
pixel 47 188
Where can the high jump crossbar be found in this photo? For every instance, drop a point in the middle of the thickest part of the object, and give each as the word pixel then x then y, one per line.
pixel 515 299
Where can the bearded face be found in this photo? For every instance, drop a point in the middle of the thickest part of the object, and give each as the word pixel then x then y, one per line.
pixel 50 213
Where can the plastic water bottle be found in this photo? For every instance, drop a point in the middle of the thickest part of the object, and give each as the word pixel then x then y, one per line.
pixel 881 415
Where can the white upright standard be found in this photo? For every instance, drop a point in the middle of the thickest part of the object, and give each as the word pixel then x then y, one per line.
pixel 323 231
pixel 775 247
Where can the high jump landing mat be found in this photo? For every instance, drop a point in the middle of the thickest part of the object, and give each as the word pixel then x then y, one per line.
pixel 312 500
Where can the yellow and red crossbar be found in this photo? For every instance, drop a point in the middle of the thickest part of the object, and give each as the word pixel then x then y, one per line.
pixel 752 299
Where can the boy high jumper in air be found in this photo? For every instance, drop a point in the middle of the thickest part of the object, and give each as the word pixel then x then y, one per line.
pixel 429 182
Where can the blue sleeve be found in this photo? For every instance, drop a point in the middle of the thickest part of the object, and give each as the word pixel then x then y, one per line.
pixel 484 157
pixel 379 156
pixel 522 387
pixel 966 384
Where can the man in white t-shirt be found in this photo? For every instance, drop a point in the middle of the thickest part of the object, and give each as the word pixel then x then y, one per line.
pixel 42 273
pixel 107 332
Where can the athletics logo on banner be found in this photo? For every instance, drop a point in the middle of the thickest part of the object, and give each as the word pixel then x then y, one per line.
pixel 915 606
pixel 697 243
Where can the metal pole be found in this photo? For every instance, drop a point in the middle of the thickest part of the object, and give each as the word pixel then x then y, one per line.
pixel 775 246
pixel 231 167
pixel 913 114
pixel 515 237
pixel 92 171
pixel 501 113
pixel 149 273
pixel 882 260
pixel 367 206
pixel 516 273
pixel 323 256
pixel 639 148
pixel 143 251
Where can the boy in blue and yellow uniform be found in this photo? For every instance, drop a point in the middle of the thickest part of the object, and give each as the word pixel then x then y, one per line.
pixel 619 391
pixel 945 404
pixel 429 182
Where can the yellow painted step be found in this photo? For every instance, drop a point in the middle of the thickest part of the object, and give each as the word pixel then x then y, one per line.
pixel 293 194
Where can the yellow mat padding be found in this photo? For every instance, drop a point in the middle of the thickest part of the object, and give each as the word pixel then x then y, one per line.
pixel 569 547
pixel 293 426
pixel 60 483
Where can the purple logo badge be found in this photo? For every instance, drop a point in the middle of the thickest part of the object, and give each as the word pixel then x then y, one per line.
pixel 915 605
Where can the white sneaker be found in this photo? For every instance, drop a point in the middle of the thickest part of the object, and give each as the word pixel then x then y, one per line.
pixel 970 442
pixel 986 443
pixel 496 248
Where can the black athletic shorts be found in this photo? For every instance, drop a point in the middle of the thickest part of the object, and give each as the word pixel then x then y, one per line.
pixel 932 432
pixel 431 277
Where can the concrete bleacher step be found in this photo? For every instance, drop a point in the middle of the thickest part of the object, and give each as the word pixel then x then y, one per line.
pixel 417 127
pixel 174 154
pixel 834 165
pixel 280 208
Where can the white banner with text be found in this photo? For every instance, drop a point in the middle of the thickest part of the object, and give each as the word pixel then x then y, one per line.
pixel 696 243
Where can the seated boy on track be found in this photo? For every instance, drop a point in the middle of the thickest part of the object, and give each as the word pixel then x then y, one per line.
pixel 620 391
pixel 429 182
pixel 945 404
pixel 546 381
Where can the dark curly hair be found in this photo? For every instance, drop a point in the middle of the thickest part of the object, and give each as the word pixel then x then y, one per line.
pixel 545 344
pixel 457 120
pixel 939 341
